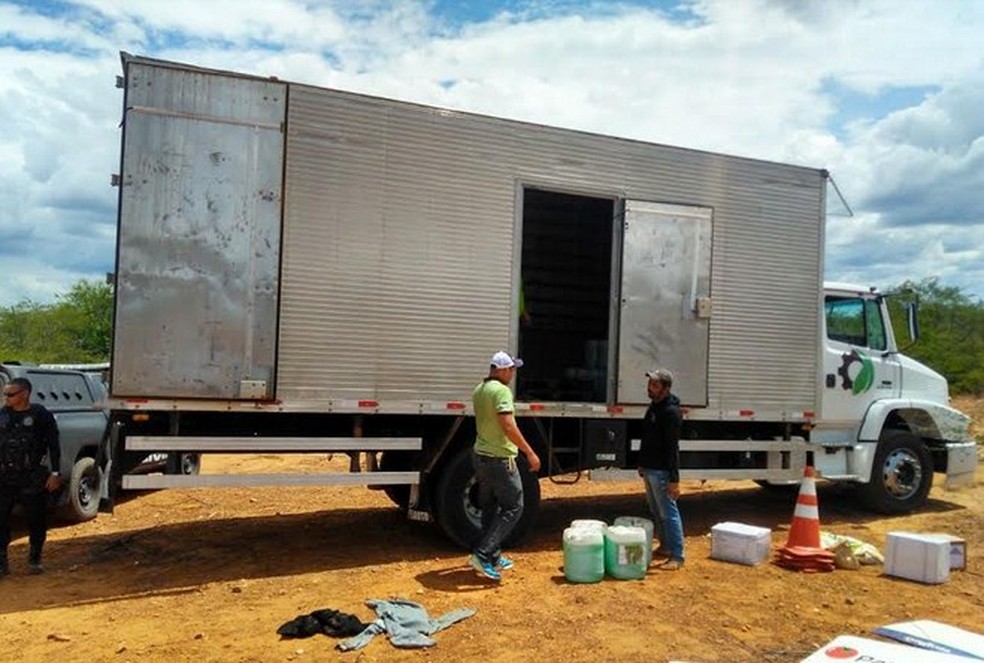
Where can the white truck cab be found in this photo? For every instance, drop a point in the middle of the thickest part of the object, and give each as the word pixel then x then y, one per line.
pixel 885 418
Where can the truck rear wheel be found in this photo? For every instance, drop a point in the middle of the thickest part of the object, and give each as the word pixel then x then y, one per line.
pixel 458 510
pixel 901 475
pixel 83 491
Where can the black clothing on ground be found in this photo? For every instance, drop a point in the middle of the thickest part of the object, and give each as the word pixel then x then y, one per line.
pixel 330 622
pixel 660 445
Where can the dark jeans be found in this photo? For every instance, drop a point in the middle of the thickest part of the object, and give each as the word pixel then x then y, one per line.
pixel 34 500
pixel 500 493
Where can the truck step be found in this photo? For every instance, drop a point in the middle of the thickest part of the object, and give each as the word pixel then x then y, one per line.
pixel 159 481
pixel 269 444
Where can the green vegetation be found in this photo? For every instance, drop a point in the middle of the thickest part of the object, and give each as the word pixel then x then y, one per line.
pixel 951 333
pixel 77 328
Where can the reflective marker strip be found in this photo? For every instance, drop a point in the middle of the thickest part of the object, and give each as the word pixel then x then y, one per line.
pixel 807 512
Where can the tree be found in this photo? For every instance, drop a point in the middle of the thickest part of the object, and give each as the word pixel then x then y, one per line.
pixel 951 333
pixel 76 328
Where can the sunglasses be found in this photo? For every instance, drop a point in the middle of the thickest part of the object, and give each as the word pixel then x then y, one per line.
pixel 11 394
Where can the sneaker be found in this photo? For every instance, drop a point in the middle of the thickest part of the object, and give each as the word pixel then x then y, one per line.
pixel 35 568
pixel 503 563
pixel 671 565
pixel 485 568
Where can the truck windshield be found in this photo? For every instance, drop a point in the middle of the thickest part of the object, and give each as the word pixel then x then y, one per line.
pixel 855 321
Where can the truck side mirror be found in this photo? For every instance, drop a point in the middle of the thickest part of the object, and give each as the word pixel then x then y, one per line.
pixel 912 320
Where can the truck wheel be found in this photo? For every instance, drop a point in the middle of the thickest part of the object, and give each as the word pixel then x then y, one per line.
pixel 83 491
pixel 456 501
pixel 183 463
pixel 902 473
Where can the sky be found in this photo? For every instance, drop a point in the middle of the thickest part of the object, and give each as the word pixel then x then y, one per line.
pixel 885 94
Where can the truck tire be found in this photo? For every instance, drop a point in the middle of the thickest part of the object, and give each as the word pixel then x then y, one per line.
pixel 901 475
pixel 183 463
pixel 83 491
pixel 456 501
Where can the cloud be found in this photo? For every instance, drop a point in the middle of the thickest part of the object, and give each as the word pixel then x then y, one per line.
pixel 883 94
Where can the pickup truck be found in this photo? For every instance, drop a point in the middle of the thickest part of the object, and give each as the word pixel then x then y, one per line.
pixel 73 397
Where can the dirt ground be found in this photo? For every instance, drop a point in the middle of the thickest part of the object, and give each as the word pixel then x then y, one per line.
pixel 209 575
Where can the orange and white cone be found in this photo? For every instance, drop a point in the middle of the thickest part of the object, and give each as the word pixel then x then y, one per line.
pixel 802 551
pixel 804 532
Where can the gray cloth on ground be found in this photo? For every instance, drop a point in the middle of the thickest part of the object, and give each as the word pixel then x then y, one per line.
pixel 407 624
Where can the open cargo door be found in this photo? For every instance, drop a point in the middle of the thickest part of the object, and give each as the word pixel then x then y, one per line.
pixel 199 234
pixel 665 303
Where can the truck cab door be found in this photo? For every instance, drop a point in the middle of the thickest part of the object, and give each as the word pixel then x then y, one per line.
pixel 859 362
pixel 664 308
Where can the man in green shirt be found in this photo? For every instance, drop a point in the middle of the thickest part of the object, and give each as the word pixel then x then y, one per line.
pixel 498 441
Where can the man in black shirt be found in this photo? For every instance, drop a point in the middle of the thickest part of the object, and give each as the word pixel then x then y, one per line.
pixel 28 437
pixel 659 465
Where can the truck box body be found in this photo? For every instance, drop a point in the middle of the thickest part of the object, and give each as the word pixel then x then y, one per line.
pixel 304 270
pixel 330 250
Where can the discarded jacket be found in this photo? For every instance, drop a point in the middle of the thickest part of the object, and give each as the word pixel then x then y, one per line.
pixel 406 623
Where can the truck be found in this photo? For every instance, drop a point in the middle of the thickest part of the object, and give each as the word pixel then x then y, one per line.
pixel 305 269
pixel 73 397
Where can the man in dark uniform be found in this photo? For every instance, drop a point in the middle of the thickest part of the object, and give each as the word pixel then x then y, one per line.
pixel 28 448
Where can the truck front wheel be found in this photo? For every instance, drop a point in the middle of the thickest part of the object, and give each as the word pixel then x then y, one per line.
pixel 902 473
pixel 83 491
pixel 458 511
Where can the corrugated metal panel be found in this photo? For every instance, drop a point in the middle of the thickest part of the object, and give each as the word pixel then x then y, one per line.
pixel 399 239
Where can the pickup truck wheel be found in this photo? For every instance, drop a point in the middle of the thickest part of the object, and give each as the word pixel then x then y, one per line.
pixel 183 463
pixel 458 510
pixel 83 491
pixel 901 475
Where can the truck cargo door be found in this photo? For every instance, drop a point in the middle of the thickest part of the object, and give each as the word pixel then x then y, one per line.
pixel 198 260
pixel 665 299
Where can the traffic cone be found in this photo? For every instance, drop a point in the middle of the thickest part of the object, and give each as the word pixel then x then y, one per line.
pixel 804 532
pixel 802 551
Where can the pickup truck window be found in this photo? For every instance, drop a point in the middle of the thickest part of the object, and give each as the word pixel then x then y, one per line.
pixel 855 321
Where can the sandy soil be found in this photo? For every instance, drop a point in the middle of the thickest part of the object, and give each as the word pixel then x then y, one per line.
pixel 209 575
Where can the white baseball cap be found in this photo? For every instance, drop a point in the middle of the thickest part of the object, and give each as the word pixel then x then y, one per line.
pixel 502 360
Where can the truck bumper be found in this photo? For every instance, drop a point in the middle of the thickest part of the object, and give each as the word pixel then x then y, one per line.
pixel 961 463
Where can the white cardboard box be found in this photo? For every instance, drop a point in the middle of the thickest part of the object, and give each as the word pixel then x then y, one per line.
pixel 919 557
pixel 737 542
pixel 958 550
pixel 849 648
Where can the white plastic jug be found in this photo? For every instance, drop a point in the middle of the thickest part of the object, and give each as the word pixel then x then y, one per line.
pixel 644 523
pixel 625 552
pixel 584 554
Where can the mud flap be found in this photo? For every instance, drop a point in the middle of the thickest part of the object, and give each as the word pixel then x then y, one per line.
pixel 961 463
